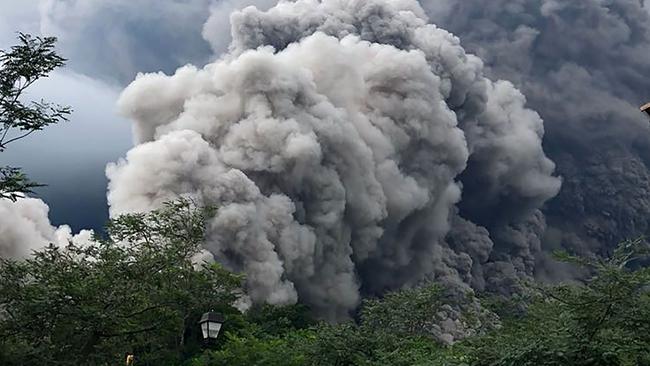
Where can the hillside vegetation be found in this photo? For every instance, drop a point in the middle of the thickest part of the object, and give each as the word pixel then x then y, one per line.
pixel 141 290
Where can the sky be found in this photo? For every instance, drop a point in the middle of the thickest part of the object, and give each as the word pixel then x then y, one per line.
pixel 107 43
pixel 69 157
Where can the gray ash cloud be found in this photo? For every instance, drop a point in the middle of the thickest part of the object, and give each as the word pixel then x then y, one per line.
pixel 352 147
pixel 584 66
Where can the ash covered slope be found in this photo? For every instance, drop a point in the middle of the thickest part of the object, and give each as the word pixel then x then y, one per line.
pixel 584 66
pixel 337 138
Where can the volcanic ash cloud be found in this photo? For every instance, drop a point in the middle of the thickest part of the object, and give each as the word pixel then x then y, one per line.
pixel 337 139
pixel 25 227
pixel 584 66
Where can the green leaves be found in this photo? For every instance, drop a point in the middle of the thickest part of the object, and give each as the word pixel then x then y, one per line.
pixel 252 351
pixel 137 290
pixel 39 51
pixel 604 321
pixel 392 331
pixel 409 311
pixel 32 59
pixel 14 184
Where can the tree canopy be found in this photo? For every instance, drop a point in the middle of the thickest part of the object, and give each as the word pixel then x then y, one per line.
pixel 604 321
pixel 137 290
pixel 21 66
pixel 140 290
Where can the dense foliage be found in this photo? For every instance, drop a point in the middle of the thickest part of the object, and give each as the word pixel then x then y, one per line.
pixel 606 321
pixel 140 290
pixel 32 59
pixel 603 322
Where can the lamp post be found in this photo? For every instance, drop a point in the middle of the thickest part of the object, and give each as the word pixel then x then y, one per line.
pixel 211 323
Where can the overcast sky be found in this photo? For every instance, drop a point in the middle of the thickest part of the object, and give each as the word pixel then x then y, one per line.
pixel 70 158
pixel 107 43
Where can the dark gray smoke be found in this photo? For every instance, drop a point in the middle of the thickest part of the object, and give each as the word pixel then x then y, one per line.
pixel 584 66
pixel 338 139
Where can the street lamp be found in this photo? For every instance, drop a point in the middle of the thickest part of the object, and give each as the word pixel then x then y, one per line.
pixel 211 323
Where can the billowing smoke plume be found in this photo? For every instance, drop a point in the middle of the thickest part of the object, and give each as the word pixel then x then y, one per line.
pixel 25 227
pixel 584 65
pixel 340 141
pixel 115 39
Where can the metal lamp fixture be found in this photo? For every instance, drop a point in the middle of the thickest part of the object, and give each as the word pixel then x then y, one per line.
pixel 211 323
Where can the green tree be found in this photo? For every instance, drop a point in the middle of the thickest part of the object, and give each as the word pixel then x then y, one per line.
pixel 405 312
pixel 271 321
pixel 250 350
pixel 20 67
pixel 265 335
pixel 137 291
pixel 392 331
pixel 603 322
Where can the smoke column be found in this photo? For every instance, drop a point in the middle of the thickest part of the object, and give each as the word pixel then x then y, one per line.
pixel 584 66
pixel 25 227
pixel 352 148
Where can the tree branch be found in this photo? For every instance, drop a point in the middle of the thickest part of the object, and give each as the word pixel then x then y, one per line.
pixel 129 332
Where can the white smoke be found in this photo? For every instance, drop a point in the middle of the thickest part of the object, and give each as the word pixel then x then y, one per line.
pixel 25 227
pixel 336 138
pixel 216 30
